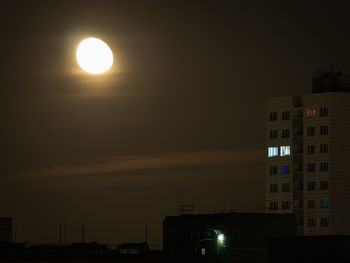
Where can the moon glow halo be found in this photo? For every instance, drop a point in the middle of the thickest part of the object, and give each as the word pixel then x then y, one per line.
pixel 94 56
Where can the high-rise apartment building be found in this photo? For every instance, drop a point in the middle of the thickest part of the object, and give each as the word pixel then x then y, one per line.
pixel 308 157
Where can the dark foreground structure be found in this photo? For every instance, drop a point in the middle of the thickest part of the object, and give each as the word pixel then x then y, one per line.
pixel 309 249
pixel 5 229
pixel 235 234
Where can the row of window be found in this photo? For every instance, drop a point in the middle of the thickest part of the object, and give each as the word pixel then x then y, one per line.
pixel 311 204
pixel 311 131
pixel 285 150
pixel 285 205
pixel 311 167
pixel 323 222
pixel 284 169
pixel 323 203
pixel 285 188
pixel 311 112
pixel 323 148
pixel 274 116
pixel 312 185
pixel 274 133
pixel 273 151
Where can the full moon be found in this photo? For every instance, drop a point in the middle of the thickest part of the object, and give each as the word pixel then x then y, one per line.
pixel 94 56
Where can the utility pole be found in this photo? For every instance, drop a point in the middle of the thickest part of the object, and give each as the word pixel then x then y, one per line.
pixel 83 234
pixel 146 235
pixel 60 233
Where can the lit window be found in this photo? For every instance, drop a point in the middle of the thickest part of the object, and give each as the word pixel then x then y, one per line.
pixel 285 169
pixel 310 112
pixel 272 152
pixel 324 203
pixel 285 150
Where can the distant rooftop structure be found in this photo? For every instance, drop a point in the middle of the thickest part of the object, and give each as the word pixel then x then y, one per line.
pixel 330 81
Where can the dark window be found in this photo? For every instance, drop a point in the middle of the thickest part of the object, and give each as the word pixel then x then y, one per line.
pixel 311 203
pixel 324 148
pixel 273 188
pixel 273 134
pixel 324 166
pixel 274 205
pixel 273 169
pixel 311 167
pixel 311 131
pixel 311 185
pixel 324 221
pixel 273 116
pixel 311 222
pixel 285 115
pixel 323 111
pixel 311 148
pixel 286 187
pixel 285 133
pixel 323 129
pixel 323 185
pixel 285 205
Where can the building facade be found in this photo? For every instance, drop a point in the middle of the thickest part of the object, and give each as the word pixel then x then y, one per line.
pixel 308 159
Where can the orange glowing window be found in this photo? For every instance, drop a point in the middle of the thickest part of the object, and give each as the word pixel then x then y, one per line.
pixel 310 112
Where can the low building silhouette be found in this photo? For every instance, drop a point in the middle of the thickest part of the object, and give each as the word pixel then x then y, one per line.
pixel 5 229
pixel 225 233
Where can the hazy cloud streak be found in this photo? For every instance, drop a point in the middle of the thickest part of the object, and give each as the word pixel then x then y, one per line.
pixel 114 164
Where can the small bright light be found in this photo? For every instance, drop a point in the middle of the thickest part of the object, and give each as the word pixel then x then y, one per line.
pixel 94 56
pixel 221 237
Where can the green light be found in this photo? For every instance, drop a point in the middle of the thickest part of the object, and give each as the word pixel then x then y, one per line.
pixel 221 237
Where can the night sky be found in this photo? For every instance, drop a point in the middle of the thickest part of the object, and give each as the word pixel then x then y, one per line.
pixel 179 119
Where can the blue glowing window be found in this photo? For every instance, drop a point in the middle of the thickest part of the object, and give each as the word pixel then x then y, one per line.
pixel 285 169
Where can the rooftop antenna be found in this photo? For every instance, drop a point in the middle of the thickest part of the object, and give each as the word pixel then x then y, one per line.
pixel 15 231
pixel 146 235
pixel 83 234
pixel 60 233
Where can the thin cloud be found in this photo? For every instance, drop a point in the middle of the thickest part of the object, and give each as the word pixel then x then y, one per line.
pixel 115 164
